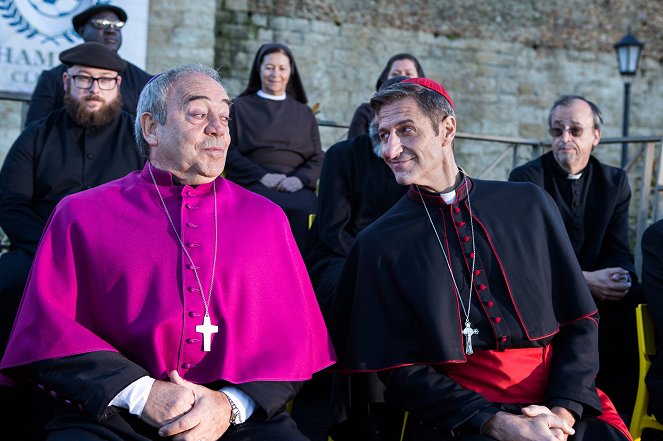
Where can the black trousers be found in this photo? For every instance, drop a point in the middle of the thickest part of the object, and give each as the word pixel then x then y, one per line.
pixel 70 426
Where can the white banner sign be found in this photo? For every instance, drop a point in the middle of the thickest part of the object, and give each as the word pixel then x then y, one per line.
pixel 34 32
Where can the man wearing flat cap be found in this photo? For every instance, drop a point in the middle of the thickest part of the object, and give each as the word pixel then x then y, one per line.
pixel 102 24
pixel 86 143
pixel 466 297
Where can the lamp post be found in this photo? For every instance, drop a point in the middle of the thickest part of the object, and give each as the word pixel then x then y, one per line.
pixel 628 55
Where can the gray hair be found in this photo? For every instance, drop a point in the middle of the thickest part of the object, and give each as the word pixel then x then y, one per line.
pixel 153 98
pixel 566 100
pixel 432 104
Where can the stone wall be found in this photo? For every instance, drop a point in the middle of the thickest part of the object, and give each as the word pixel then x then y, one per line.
pixel 503 62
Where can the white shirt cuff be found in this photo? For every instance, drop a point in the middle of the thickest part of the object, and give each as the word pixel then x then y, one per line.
pixel 134 396
pixel 245 404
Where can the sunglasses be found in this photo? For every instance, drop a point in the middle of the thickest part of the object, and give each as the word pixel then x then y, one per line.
pixel 104 23
pixel 575 131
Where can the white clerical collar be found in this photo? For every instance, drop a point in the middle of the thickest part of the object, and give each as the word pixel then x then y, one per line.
pixel 267 96
pixel 449 198
pixel 573 177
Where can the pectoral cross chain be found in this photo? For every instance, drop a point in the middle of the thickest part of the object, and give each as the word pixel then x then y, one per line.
pixel 207 329
pixel 468 332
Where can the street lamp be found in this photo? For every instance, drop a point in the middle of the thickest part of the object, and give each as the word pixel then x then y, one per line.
pixel 628 54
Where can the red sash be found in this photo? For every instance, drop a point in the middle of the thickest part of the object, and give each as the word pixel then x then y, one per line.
pixel 517 376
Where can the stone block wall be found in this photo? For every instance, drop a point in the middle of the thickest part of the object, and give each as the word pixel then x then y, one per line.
pixel 504 63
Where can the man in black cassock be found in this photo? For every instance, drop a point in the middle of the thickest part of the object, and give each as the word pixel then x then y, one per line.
pixel 466 296
pixel 356 187
pixel 86 143
pixel 102 24
pixel 652 282
pixel 593 199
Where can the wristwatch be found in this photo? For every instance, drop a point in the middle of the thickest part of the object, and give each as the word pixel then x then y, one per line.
pixel 234 412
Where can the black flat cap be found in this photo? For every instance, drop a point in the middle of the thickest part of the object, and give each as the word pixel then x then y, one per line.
pixel 82 18
pixel 93 54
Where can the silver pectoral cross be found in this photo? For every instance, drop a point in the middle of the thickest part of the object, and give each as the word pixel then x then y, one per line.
pixel 468 332
pixel 207 329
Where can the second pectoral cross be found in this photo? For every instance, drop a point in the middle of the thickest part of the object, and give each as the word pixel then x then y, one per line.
pixel 468 332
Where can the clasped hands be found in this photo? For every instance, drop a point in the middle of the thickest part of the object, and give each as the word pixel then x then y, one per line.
pixel 536 423
pixel 186 411
pixel 281 182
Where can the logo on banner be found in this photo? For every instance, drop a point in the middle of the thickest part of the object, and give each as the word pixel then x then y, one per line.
pixel 45 20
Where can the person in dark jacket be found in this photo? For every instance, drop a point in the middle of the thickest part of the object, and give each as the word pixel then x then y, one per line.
pixel 103 24
pixel 593 199
pixel 86 143
pixel 652 282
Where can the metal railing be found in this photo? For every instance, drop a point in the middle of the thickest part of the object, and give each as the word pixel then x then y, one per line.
pixel 648 152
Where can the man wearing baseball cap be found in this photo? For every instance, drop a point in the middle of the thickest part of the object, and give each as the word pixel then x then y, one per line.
pixel 102 24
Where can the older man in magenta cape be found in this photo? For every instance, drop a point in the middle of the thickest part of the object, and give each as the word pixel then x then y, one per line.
pixel 134 279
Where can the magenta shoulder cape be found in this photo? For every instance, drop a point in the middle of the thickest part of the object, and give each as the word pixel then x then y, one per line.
pixel 110 275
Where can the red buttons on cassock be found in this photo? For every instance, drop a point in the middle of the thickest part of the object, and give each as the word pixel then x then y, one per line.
pixel 461 224
pixel 490 304
pixel 54 394
pixel 191 225
pixel 187 365
pixel 466 238
pixel 192 340
pixel 191 207
pixel 193 314
pixel 498 319
pixel 190 266
pixel 457 210
pixel 471 255
pixel 193 289
pixel 482 287
pixel 502 339
pixel 192 244
pixel 477 272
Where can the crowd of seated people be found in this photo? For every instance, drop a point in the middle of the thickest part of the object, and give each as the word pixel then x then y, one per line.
pixel 412 284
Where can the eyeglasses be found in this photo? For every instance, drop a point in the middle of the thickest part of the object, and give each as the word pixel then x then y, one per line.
pixel 575 131
pixel 86 81
pixel 104 23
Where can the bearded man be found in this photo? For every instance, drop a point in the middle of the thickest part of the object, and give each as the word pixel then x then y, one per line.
pixel 87 143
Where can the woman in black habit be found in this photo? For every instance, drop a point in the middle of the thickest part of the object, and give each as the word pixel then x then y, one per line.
pixel 275 149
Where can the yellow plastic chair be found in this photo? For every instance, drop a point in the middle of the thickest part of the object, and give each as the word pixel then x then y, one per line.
pixel 646 350
pixel 407 414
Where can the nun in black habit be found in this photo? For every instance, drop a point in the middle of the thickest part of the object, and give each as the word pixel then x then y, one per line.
pixel 275 149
